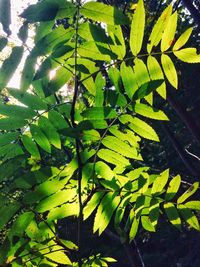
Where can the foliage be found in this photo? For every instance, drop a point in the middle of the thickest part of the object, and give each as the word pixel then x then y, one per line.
pixel 80 156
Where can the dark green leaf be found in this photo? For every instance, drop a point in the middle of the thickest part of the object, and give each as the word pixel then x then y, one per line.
pixel 99 113
pixel 8 212
pixel 147 88
pixel 16 111
pixel 5 15
pixel 7 138
pixel 40 138
pixel 30 146
pixel 42 11
pixel 3 43
pixel 9 65
pixel 30 100
pixel 11 124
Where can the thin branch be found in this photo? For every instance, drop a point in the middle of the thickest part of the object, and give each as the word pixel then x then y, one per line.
pixel 72 114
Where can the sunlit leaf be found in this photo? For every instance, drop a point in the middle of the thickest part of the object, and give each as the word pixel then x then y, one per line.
pixel 188 193
pixel 160 182
pixel 182 39
pixel 137 28
pixel 189 216
pixel 169 70
pixel 173 215
pixel 173 187
pixel 188 55
pixel 103 13
pixel 169 32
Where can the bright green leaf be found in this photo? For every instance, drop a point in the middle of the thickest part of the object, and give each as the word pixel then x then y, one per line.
pixel 169 70
pixel 188 193
pixel 103 13
pixel 172 215
pixel 188 55
pixel 169 32
pixel 173 187
pixel 149 112
pixel 137 28
pixel 189 217
pixel 160 182
pixel 182 39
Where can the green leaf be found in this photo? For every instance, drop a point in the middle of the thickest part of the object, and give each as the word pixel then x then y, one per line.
pixel 129 79
pixel 156 73
pixel 189 217
pixel 43 70
pixel 147 88
pixel 188 193
pixel 7 138
pixel 30 146
pixel 105 211
pixel 118 146
pixel 154 211
pixel 11 124
pixel 99 113
pixel 28 73
pixel 100 82
pixel 158 28
pixel 112 157
pixel 10 151
pixel 56 199
pixel 188 55
pixel 173 187
pixel 23 32
pixel 193 205
pixel 50 132
pixel 30 100
pixel 8 212
pixel 22 223
pixel 3 43
pixel 92 32
pixel 96 51
pixel 40 138
pixel 169 70
pixel 10 65
pixel 103 170
pixel 172 215
pixel 92 204
pixel 42 11
pixel 59 257
pixel 140 127
pixel 160 182
pixel 114 76
pixel 149 112
pixel 16 111
pixel 182 40
pixel 134 228
pixel 57 120
pixel 137 28
pixel 117 45
pixel 103 13
pixel 62 76
pixel 5 15
pixel 147 224
pixel 66 210
pixel 169 32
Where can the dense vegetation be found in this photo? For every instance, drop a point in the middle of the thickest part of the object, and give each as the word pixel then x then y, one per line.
pixel 82 141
